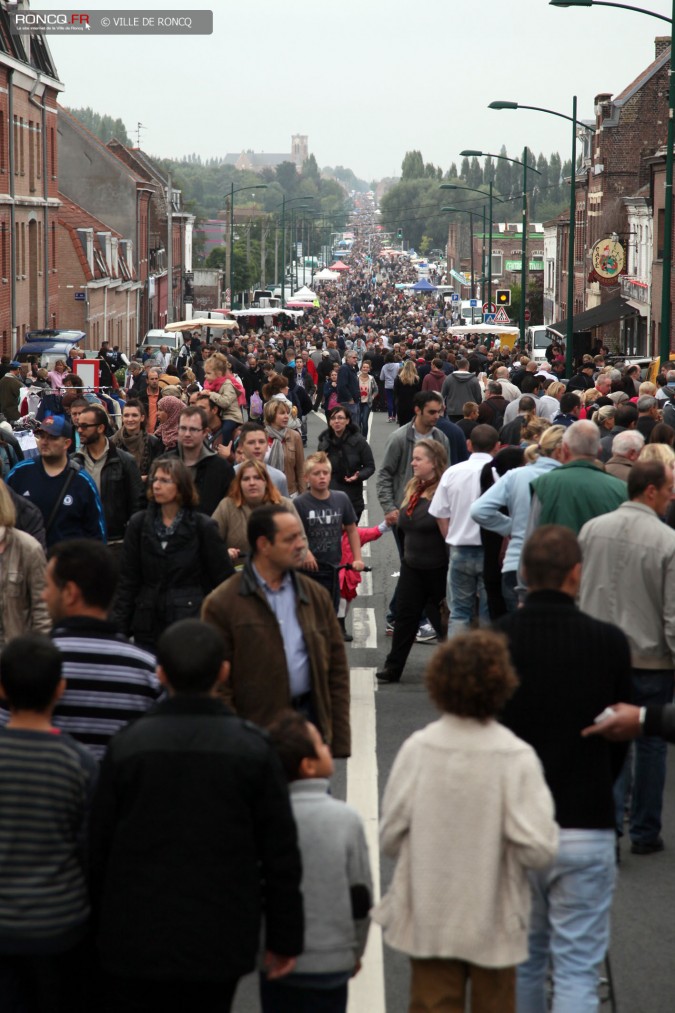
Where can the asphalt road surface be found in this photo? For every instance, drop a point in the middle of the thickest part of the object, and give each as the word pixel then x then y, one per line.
pixel 643 924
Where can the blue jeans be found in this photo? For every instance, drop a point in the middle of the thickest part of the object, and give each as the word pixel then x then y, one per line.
pixel 389 397
pixel 354 409
pixel 465 583
pixel 509 593
pixel 569 924
pixel 365 415
pixel 649 759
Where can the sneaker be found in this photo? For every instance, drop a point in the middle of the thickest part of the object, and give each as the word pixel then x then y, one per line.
pixel 386 675
pixel 425 634
pixel 647 847
pixel 389 627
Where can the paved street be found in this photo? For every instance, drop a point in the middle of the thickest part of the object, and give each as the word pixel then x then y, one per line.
pixel 644 921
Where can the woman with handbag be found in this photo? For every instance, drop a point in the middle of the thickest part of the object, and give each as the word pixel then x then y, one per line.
pixel 424 563
pixel 173 557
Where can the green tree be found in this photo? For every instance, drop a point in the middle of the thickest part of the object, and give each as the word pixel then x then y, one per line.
pixel 475 176
pixel 503 174
pixel 412 166
pixel 489 170
pixel 102 126
pixel 310 170
pixel 465 170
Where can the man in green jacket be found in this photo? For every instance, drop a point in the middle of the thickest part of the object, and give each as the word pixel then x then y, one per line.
pixel 581 489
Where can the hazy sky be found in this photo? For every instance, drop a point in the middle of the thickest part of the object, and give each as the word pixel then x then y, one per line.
pixel 364 79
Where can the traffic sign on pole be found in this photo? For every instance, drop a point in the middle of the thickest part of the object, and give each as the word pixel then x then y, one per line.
pixel 528 315
pixel 489 307
pixel 473 302
pixel 501 316
pixel 454 297
pixel 489 318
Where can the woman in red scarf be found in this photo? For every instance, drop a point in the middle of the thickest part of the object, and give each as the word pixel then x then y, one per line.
pixel 424 566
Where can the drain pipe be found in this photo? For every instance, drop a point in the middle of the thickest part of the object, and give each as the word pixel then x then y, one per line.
pixel 45 190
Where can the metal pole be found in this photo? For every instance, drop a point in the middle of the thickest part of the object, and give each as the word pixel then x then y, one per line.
pixel 283 252
pixel 489 273
pixel 169 253
pixel 231 278
pixel 473 273
pixel 523 255
pixel 483 261
pixel 569 334
pixel 664 334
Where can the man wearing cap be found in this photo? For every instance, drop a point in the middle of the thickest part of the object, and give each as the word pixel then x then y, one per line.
pixel 10 390
pixel 583 378
pixel 64 492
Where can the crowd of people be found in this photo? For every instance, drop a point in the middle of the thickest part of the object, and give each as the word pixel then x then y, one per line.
pixel 177 561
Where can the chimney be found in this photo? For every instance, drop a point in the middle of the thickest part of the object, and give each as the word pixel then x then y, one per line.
pixel 603 107
pixel 661 45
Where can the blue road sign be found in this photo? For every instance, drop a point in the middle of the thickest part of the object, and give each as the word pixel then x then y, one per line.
pixel 473 302
pixel 489 318
pixel 454 297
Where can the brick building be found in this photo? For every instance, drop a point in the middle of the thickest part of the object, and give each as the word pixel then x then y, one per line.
pixel 617 164
pixel 98 289
pixel 29 87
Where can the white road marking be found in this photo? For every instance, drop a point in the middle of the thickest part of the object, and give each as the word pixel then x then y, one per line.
pixel 366 585
pixel 366 990
pixel 365 551
pixel 365 494
pixel 364 628
pixel 364 519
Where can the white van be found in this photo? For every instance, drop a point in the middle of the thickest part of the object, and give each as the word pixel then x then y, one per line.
pixel 471 314
pixel 539 338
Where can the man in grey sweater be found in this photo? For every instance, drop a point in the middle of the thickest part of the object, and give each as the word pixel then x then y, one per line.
pixel 458 388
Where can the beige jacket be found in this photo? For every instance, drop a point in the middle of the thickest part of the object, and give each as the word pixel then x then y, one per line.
pixel 22 579
pixel 465 812
pixel 232 522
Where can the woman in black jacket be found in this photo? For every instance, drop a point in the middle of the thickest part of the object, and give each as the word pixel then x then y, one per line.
pixel 173 557
pixel 349 454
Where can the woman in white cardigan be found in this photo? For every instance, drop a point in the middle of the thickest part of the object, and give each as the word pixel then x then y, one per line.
pixel 465 813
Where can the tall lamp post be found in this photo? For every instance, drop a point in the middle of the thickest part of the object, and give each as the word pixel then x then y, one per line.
pixel 470 153
pixel 569 334
pixel 473 277
pixel 473 189
pixel 240 189
pixel 284 202
pixel 666 270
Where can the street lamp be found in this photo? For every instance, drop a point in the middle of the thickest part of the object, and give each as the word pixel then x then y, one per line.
pixel 664 336
pixel 240 189
pixel 455 186
pixel 470 153
pixel 284 202
pixel 473 274
pixel 569 334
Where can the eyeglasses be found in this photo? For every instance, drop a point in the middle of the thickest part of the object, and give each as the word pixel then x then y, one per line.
pixel 163 481
pixel 190 429
pixel 86 425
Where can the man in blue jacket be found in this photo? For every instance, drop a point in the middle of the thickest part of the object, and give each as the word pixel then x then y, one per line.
pixel 66 495
pixel 348 391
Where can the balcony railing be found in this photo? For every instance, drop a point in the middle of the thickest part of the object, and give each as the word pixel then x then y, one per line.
pixel 635 289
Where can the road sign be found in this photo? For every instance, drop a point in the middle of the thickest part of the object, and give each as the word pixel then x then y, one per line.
pixel 528 316
pixel 81 296
pixel 454 297
pixel 488 318
pixel 489 307
pixel 473 302
pixel 501 316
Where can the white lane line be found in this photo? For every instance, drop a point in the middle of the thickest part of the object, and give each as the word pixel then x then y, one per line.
pixel 366 990
pixel 364 627
pixel 365 551
pixel 365 494
pixel 366 585
pixel 364 519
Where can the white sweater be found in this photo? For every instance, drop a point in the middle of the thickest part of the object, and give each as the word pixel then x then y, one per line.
pixel 466 811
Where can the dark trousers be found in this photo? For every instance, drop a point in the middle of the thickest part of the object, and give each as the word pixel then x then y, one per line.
pixel 418 591
pixel 277 997
pixel 327 576
pixel 46 982
pixel 142 995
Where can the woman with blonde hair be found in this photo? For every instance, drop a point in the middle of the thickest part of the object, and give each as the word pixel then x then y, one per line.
pixel 512 492
pixel 424 565
pixel 657 452
pixel 251 487
pixel 533 430
pixel 605 419
pixel 406 384
pixel 57 374
pixel 22 577
pixel 285 444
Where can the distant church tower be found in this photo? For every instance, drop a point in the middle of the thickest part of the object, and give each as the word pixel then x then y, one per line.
pixel 299 149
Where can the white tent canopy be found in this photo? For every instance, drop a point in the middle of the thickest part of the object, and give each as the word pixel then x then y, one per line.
pixel 495 329
pixel 304 294
pixel 326 275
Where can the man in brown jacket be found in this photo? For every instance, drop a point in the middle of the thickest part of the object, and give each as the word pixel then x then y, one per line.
pixel 283 641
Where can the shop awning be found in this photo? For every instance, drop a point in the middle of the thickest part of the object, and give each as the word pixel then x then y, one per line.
pixel 605 313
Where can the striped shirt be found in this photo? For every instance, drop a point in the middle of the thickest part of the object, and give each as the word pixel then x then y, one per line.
pixel 109 681
pixel 45 790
